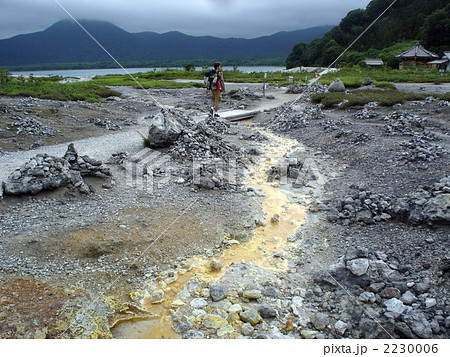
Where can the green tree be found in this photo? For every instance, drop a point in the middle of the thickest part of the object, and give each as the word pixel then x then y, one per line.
pixel 189 67
pixel 436 29
pixel 405 20
pixel 354 21
pixel 297 57
pixel 331 53
pixel 5 77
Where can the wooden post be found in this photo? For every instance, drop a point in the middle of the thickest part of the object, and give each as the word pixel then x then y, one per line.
pixel 264 85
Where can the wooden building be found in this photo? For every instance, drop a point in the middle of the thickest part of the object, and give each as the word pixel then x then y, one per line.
pixel 374 63
pixel 442 64
pixel 416 56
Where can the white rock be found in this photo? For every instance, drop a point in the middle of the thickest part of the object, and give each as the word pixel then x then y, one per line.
pixel 199 303
pixel 430 302
pixel 340 327
pixel 358 266
pixel 296 305
pixel 395 306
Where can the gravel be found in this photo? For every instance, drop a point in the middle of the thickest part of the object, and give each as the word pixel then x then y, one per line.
pixel 392 272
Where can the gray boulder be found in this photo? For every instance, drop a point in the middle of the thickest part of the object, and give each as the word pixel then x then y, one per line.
pixel 267 311
pixel 358 266
pixel 320 321
pixel 205 183
pixel 336 86
pixel 164 130
pixel 437 209
pixel 218 292
pixel 368 82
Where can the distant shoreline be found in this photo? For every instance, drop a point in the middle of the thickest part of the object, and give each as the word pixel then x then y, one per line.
pixel 89 73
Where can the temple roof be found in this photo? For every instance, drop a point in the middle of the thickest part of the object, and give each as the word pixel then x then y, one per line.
pixel 417 51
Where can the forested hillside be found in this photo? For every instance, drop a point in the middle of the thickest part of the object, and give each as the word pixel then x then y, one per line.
pixel 407 21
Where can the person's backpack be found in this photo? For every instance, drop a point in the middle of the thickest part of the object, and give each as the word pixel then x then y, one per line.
pixel 210 79
pixel 213 81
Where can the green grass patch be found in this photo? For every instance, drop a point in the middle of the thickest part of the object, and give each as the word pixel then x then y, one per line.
pixel 140 81
pixel 445 96
pixel 166 79
pixel 362 97
pixel 50 88
pixel 353 77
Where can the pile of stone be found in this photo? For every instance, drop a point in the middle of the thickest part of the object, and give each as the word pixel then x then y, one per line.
pixel 403 123
pixel 296 88
pixel 419 149
pixel 351 136
pixel 365 113
pixel 425 206
pixel 217 125
pixel 31 126
pixel 431 205
pixel 257 136
pixel 118 158
pixel 244 94
pixel 317 88
pixel 243 97
pixel 361 138
pixel 189 140
pixel 287 168
pixel 215 175
pixel 362 207
pixel 307 90
pixel 45 172
pixel 201 142
pixel 107 124
pixel 336 125
pixel 369 297
pixel 129 122
pixel 288 118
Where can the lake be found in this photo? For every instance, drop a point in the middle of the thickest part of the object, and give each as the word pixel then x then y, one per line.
pixel 89 73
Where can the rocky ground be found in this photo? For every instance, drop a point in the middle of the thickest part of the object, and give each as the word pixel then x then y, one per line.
pixel 113 253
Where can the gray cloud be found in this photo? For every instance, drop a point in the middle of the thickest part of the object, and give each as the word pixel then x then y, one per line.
pixel 222 18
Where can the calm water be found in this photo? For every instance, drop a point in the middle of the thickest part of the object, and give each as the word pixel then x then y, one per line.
pixel 101 72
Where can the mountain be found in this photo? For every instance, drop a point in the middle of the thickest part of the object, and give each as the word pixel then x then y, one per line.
pixel 406 22
pixel 65 42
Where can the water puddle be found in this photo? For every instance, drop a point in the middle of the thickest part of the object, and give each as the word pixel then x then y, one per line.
pixel 265 249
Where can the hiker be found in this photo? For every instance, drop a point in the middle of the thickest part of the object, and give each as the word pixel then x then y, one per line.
pixel 215 84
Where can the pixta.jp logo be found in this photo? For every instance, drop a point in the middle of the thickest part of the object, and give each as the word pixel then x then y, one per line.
pixel 143 167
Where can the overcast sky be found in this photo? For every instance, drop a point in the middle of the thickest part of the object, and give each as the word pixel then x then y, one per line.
pixel 221 18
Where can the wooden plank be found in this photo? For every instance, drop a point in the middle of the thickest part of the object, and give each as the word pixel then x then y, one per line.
pixel 241 116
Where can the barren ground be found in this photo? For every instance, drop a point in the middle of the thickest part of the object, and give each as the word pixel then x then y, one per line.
pixel 104 256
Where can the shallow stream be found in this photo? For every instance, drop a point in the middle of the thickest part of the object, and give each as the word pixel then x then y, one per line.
pixel 268 239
